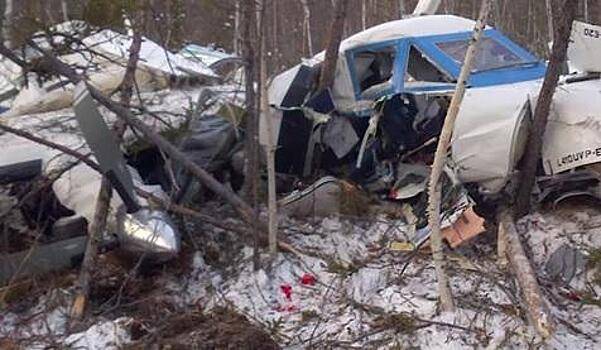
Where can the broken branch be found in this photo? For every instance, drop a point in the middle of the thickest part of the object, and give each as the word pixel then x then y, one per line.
pixel 536 306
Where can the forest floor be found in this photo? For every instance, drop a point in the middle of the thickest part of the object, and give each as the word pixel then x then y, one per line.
pixel 346 289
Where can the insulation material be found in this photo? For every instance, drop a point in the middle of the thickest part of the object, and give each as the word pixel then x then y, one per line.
pixel 468 226
pixel 572 135
pixel 584 50
pixel 488 139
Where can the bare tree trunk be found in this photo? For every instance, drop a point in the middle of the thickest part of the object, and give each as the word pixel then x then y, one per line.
pixel 550 29
pixel 270 148
pixel 444 289
pixel 251 176
pixel 402 10
pixel 565 15
pixel 237 36
pixel 7 24
pixel 363 14
pixel 538 311
pixel 307 26
pixel 65 10
pixel 426 7
pixel 328 69
pixel 595 12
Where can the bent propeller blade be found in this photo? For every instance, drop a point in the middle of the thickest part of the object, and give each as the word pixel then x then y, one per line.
pixel 104 145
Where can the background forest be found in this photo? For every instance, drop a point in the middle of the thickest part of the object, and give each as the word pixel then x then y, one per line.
pixel 296 28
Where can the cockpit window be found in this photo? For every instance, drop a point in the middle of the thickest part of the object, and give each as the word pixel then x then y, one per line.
pixel 374 68
pixel 490 54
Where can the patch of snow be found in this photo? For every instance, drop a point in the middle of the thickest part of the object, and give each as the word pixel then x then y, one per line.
pixel 104 335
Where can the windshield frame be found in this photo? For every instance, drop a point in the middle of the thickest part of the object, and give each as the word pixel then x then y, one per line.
pixel 532 69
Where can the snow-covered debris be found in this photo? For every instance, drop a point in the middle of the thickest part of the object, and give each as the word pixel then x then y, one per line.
pixel 152 55
pixel 104 335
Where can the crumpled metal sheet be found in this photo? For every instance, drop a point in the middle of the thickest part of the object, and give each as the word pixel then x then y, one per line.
pixel 148 231
pixel 572 135
pixel 320 199
pixel 584 49
pixel 340 136
pixel 564 264
pixel 489 137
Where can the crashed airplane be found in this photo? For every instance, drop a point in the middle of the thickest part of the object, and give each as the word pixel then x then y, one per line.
pixel 377 127
pixel 392 88
pixel 66 114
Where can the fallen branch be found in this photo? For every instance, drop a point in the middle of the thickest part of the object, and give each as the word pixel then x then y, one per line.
pixel 538 311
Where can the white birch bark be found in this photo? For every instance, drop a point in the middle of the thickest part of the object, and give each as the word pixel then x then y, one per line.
pixel 307 25
pixel 7 24
pixel 65 10
pixel 444 290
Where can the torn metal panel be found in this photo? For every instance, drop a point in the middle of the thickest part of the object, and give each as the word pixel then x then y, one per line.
pixel 564 264
pixel 43 259
pixel 572 135
pixel 152 55
pixel 21 171
pixel 489 134
pixel 207 55
pixel 103 144
pixel 340 136
pixel 411 180
pixel 584 50
pixel 291 88
pixel 320 199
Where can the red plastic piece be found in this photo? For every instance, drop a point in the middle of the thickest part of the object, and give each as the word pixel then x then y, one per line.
pixel 308 280
pixel 287 290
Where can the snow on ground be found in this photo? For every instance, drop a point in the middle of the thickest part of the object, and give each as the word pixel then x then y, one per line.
pixel 347 289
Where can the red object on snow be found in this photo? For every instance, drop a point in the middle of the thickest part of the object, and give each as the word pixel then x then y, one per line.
pixel 308 280
pixel 287 290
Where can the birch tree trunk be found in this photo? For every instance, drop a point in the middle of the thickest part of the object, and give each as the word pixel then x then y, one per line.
pixel 7 24
pixel 65 10
pixel 550 29
pixel 426 7
pixel 363 14
pixel 307 26
pixel 402 10
pixel 595 12
pixel 237 36
pixel 444 290
pixel 565 15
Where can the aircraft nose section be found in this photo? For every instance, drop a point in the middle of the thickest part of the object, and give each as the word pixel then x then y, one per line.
pixel 151 232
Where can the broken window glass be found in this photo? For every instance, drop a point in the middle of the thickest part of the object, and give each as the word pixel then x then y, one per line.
pixel 374 69
pixel 420 69
pixel 490 54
